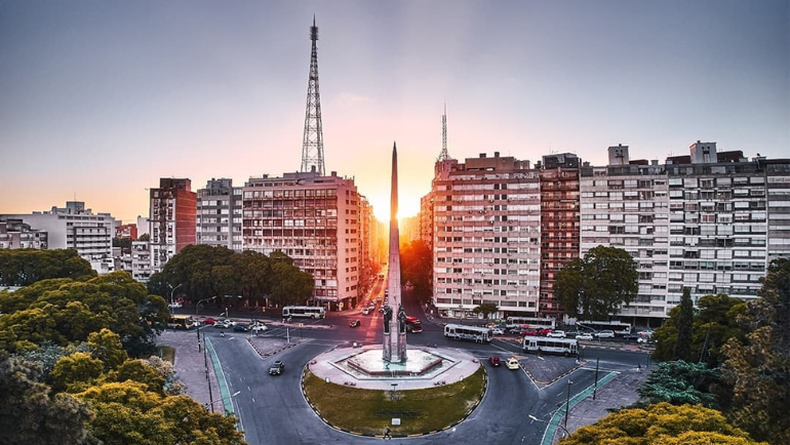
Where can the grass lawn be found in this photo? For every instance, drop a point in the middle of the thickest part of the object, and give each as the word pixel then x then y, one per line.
pixel 168 353
pixel 364 411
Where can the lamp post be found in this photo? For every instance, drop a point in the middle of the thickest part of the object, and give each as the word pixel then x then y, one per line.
pixel 211 404
pixel 564 430
pixel 567 404
pixel 172 291
pixel 197 306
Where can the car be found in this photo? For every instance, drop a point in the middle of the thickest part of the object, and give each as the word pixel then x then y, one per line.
pixel 208 321
pixel 543 332
pixel 584 336
pixel 223 324
pixel 277 368
pixel 631 336
pixel 175 305
pixel 378 299
pixel 258 328
pixel 512 363
pixel 529 332
pixel 556 334
pixel 241 327
pixel 381 309
pixel 354 323
pixel 495 360
pixel 497 331
pixel 605 334
pixel 365 311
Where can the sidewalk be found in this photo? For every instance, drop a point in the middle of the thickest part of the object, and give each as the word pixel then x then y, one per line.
pixel 190 366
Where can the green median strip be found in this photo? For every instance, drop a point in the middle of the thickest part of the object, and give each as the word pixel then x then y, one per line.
pixel 554 423
pixel 224 390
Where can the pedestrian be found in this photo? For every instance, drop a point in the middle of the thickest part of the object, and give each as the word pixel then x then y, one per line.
pixel 387 434
pixel 638 367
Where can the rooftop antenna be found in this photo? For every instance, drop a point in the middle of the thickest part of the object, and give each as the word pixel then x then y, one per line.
pixel 313 139
pixel 444 155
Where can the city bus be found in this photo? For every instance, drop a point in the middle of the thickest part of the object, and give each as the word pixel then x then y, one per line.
pixel 473 333
pixel 304 311
pixel 618 327
pixel 413 325
pixel 181 322
pixel 565 346
pixel 531 322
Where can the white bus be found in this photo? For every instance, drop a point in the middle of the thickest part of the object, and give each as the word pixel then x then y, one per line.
pixel 565 346
pixel 531 322
pixel 473 333
pixel 618 327
pixel 304 311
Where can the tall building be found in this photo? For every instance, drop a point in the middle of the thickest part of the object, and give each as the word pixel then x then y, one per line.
pixel 16 234
pixel 486 235
pixel 559 223
pixel 219 214
pixel 75 227
pixel 777 184
pixel 172 219
pixel 316 221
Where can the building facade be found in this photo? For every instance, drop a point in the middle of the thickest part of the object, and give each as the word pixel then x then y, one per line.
pixel 75 227
pixel 219 214
pixel 16 234
pixel 486 235
pixel 172 219
pixel 316 221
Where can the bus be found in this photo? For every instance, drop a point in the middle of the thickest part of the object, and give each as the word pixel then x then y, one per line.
pixel 564 346
pixel 413 324
pixel 181 322
pixel 531 322
pixel 304 311
pixel 618 327
pixel 473 333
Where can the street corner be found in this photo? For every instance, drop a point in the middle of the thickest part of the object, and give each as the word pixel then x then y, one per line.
pixel 267 346
pixel 546 370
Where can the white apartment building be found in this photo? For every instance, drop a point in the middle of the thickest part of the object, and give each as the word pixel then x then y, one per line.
pixel 486 235
pixel 15 234
pixel 316 221
pixel 626 205
pixel 219 214
pixel 75 227
pixel 777 183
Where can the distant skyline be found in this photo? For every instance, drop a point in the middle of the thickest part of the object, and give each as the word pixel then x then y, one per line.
pixel 98 100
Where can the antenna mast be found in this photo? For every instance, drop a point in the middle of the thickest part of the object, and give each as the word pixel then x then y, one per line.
pixel 444 155
pixel 313 140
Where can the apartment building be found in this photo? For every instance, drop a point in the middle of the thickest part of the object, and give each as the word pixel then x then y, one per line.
pixel 559 223
pixel 626 205
pixel 75 227
pixel 777 185
pixel 15 234
pixel 316 221
pixel 172 219
pixel 219 214
pixel 486 235
pixel 426 219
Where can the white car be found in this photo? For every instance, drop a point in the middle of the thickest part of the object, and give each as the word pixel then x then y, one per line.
pixel 585 336
pixel 512 363
pixel 556 334
pixel 497 331
pixel 175 305
pixel 365 311
pixel 605 334
pixel 258 328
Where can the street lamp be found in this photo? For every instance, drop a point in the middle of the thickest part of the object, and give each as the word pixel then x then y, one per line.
pixel 564 430
pixel 197 306
pixel 172 291
pixel 211 404
pixel 568 404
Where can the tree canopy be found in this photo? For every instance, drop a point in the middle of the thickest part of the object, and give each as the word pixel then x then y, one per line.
pixel 486 309
pixel 596 285
pixel 679 383
pixel 23 267
pixel 661 423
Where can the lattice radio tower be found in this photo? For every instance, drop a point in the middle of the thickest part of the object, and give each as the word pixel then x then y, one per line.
pixel 444 155
pixel 313 140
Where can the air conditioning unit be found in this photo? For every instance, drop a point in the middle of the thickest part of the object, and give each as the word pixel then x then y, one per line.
pixel 490 200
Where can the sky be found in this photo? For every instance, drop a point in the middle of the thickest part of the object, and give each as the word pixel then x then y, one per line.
pixel 99 99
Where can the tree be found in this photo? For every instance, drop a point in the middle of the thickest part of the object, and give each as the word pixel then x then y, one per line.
pixel 290 285
pixel 661 423
pixel 29 414
pixel 76 372
pixel 598 284
pixel 685 327
pixel 679 383
pixel 107 347
pixel 486 309
pixel 144 237
pixel 23 267
pixel 757 369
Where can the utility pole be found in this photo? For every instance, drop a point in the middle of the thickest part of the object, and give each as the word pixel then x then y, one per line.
pixel 208 379
pixel 568 403
pixel 595 389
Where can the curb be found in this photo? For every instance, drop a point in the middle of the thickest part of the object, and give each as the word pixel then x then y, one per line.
pixel 400 436
pixel 277 351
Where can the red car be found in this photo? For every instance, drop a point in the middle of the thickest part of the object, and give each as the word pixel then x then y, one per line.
pixel 529 332
pixel 207 320
pixel 495 360
pixel 545 331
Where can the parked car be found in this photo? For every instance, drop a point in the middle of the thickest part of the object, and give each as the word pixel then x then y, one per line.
pixel 495 360
pixel 223 324
pixel 529 332
pixel 365 311
pixel 241 327
pixel 497 331
pixel 545 331
pixel 174 305
pixel 605 334
pixel 512 363
pixel 381 309
pixel 354 323
pixel 631 336
pixel 584 336
pixel 556 334
pixel 277 368
pixel 208 320
pixel 258 328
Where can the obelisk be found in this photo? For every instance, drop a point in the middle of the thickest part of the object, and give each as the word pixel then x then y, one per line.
pixel 394 349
